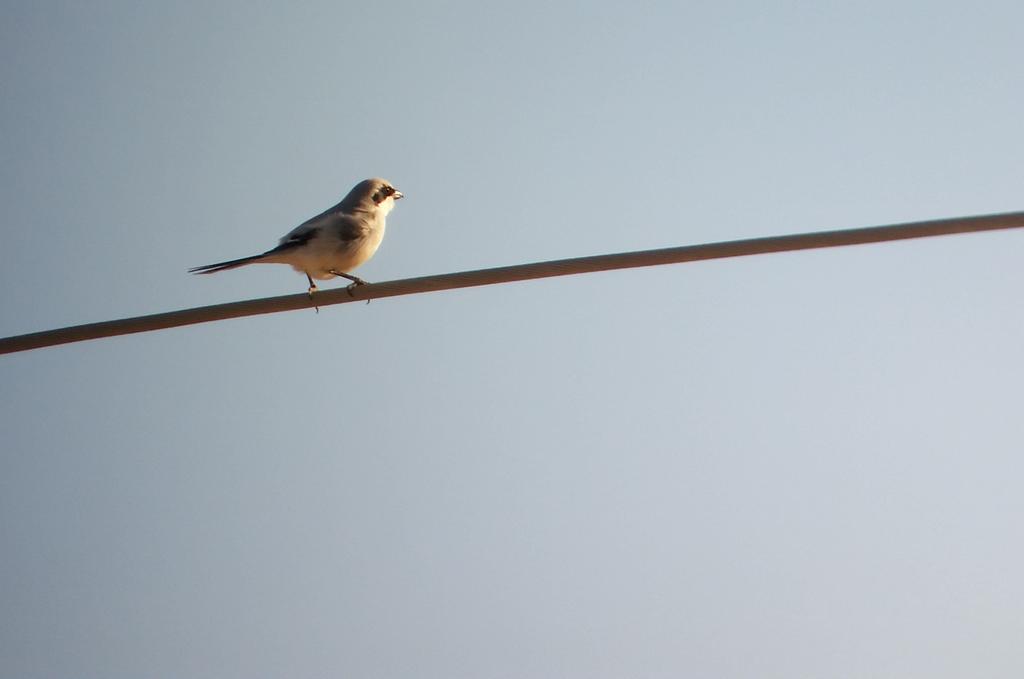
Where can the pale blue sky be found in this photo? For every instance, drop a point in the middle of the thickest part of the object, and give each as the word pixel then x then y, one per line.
pixel 796 465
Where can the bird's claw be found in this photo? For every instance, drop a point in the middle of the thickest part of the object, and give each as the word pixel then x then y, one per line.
pixel 353 285
pixel 312 289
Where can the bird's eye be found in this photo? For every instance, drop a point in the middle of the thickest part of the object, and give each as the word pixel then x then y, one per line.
pixel 383 193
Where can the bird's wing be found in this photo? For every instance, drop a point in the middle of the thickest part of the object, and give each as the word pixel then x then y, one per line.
pixel 343 227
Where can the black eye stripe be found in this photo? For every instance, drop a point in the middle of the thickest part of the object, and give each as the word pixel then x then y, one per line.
pixel 382 193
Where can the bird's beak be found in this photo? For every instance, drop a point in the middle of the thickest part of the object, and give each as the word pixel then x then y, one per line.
pixel 397 194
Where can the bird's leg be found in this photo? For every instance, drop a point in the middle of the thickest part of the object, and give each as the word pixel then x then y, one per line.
pixel 312 289
pixel 356 280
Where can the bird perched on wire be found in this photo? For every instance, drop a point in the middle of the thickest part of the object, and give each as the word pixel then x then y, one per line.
pixel 334 242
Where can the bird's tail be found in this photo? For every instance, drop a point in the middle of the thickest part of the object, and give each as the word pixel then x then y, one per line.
pixel 224 266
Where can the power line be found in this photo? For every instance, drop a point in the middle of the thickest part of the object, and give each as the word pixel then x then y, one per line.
pixel 521 272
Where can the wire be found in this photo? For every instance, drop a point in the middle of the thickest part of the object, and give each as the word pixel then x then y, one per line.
pixel 521 272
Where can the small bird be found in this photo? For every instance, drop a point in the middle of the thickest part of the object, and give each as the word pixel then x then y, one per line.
pixel 335 241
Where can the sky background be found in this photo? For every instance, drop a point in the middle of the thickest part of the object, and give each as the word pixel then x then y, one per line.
pixel 794 465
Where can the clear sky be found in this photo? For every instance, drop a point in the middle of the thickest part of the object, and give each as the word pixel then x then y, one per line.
pixel 797 465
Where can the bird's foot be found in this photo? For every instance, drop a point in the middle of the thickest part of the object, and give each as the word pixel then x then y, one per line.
pixel 353 285
pixel 312 289
pixel 356 281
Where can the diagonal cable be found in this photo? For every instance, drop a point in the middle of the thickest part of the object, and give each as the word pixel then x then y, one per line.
pixel 520 272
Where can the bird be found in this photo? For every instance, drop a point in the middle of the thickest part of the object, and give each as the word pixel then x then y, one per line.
pixel 333 243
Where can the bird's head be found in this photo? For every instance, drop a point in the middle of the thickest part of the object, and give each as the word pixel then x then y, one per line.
pixel 373 195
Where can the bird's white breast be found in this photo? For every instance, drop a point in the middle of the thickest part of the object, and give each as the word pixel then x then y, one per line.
pixel 326 252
